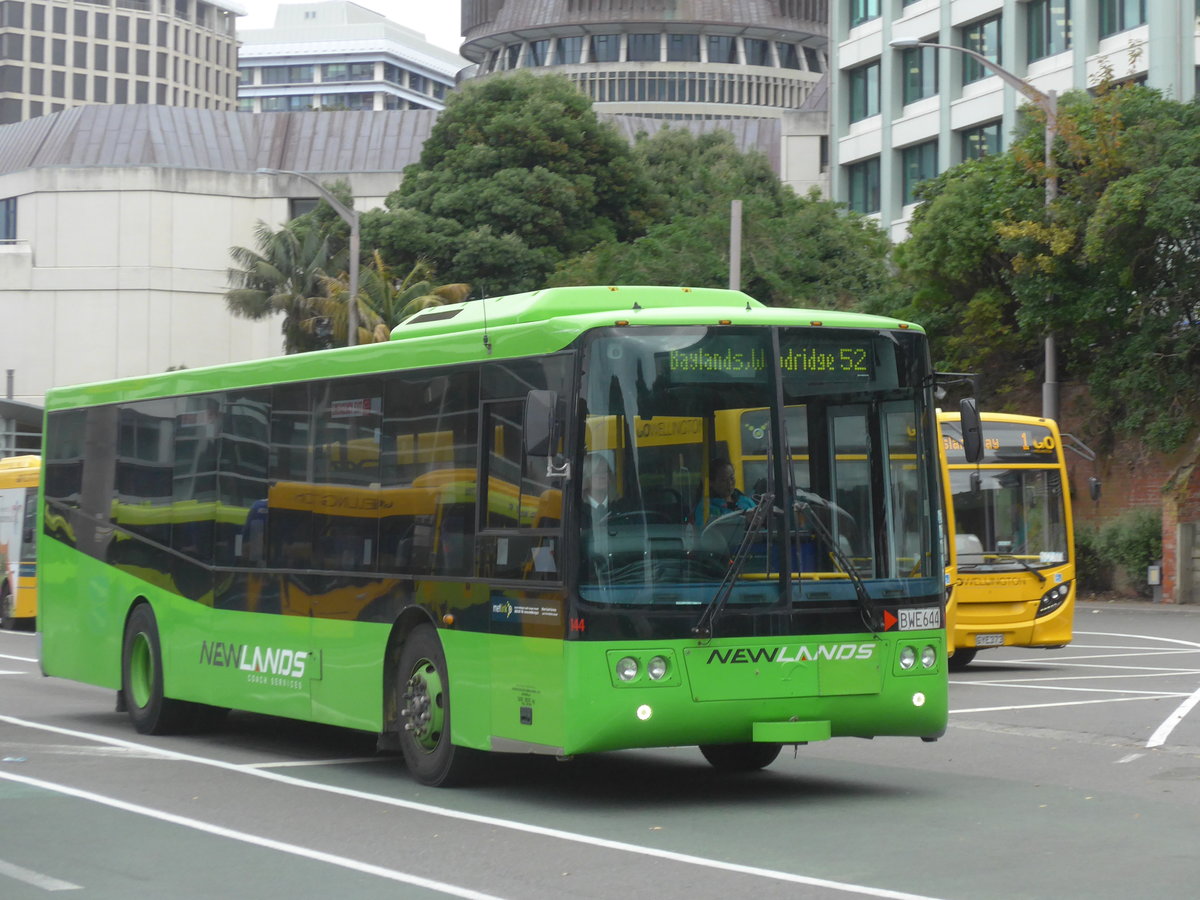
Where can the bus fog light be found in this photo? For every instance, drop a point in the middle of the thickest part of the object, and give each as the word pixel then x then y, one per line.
pixel 918 699
pixel 644 712
pixel 928 657
pixel 908 658
pixel 627 668
pixel 657 668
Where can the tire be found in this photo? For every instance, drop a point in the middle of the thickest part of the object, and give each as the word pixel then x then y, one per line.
pixel 424 690
pixel 7 621
pixel 142 678
pixel 740 757
pixel 962 658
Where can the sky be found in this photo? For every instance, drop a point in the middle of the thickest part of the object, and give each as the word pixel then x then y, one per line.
pixel 438 20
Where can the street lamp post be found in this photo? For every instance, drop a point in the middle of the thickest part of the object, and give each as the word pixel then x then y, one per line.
pixel 1047 102
pixel 350 217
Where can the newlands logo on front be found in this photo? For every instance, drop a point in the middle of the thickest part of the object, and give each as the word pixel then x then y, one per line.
pixel 257 660
pixel 731 655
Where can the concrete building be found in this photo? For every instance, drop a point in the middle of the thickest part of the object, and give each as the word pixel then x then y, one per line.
pixel 899 116
pixel 338 55
pixel 73 52
pixel 122 218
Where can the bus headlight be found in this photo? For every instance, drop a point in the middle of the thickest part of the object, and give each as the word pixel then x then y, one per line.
pixel 627 668
pixel 1054 598
pixel 928 657
pixel 908 657
pixel 657 668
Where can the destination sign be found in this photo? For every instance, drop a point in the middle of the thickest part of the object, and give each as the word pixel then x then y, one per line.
pixel 804 359
pixel 1003 442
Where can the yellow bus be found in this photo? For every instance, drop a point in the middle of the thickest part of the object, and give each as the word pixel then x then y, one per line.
pixel 18 547
pixel 1011 560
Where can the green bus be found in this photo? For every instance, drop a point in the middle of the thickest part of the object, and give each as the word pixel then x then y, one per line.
pixel 398 538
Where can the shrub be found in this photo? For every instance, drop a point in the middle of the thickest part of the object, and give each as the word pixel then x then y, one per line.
pixel 1122 547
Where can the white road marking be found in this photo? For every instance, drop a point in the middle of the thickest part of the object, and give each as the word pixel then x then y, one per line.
pixel 17 658
pixel 478 819
pixel 319 762
pixel 979 709
pixel 1130 757
pixel 1164 730
pixel 37 879
pixel 245 837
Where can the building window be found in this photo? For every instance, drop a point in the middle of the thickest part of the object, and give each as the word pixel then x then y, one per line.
pixel 539 53
pixel 864 91
pixel 286 74
pixel 863 11
pixel 758 53
pixel 789 57
pixel 567 50
pixel 863 178
pixel 8 219
pixel 1049 28
pixel 984 38
pixel 1121 15
pixel 683 48
pixel 644 47
pixel 813 59
pixel 920 73
pixel 722 49
pixel 605 48
pixel 919 164
pixel 981 141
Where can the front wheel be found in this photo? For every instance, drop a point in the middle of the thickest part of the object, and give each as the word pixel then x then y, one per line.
pixel 962 658
pixel 142 678
pixel 425 714
pixel 740 757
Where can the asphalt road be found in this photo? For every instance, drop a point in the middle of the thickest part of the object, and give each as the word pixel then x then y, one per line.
pixel 1066 773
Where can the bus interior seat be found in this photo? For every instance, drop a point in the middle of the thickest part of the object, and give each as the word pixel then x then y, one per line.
pixel 968 548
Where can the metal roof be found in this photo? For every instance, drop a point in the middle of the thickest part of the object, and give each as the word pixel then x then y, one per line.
pixel 342 141
pixel 185 138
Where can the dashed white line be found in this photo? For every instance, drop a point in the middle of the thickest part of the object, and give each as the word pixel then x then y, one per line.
pixel 37 879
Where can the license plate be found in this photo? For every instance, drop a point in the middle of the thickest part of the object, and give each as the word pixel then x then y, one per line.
pixel 920 619
pixel 989 640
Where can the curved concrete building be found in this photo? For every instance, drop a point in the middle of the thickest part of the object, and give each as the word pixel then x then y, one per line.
pixel 668 59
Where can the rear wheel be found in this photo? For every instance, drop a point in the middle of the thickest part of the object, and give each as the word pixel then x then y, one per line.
pixel 962 658
pixel 142 678
pixel 740 757
pixel 425 714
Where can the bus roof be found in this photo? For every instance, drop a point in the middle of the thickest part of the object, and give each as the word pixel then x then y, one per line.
pixel 537 322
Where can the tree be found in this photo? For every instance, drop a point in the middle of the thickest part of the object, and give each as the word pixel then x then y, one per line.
pixel 517 174
pixel 797 251
pixel 1111 268
pixel 284 274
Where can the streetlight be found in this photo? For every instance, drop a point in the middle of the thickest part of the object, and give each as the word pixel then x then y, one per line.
pixel 350 217
pixel 1047 102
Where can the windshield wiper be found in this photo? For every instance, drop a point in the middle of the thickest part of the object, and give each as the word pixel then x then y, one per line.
pixel 1026 566
pixel 843 561
pixel 704 627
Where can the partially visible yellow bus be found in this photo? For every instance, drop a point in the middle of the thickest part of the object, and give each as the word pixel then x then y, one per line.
pixel 18 547
pixel 1011 563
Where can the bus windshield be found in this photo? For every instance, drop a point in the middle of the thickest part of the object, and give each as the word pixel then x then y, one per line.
pixel 1008 519
pixel 688 429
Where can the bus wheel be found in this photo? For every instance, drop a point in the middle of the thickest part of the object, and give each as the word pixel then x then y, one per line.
pixel 740 757
pixel 962 658
pixel 425 714
pixel 142 678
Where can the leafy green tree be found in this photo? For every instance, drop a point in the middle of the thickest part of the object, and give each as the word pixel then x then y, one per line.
pixel 517 174
pixel 285 274
pixel 1111 268
pixel 796 251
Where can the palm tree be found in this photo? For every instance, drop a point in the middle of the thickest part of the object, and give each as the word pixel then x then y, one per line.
pixel 389 301
pixel 286 273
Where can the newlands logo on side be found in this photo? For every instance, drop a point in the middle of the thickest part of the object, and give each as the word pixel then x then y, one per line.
pixel 785 655
pixel 262 660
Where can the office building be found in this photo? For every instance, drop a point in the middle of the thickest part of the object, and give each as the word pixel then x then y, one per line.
pixel 75 52
pixel 900 116
pixel 338 55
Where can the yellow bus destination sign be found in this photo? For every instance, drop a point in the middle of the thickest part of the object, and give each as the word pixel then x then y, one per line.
pixel 1003 442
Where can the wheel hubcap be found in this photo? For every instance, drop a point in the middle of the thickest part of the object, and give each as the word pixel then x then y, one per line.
pixel 423 712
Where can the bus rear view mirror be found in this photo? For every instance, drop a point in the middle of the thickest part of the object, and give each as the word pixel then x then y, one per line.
pixel 539 421
pixel 972 430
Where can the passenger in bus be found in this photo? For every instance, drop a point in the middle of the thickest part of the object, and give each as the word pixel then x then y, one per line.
pixel 724 497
